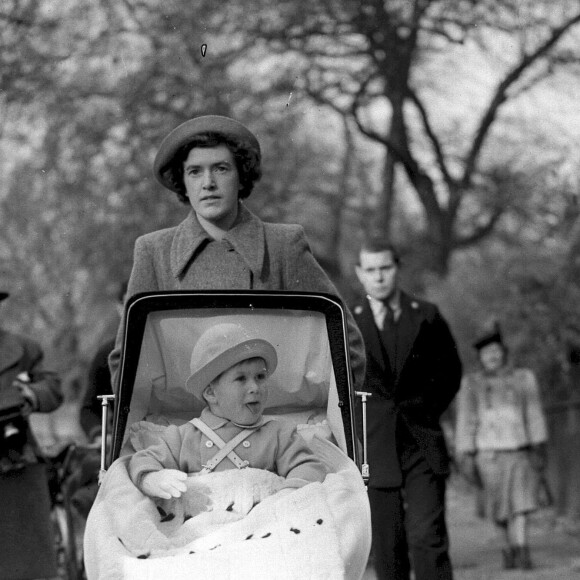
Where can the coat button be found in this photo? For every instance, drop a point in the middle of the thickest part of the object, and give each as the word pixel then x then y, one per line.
pixel 209 443
pixel 246 443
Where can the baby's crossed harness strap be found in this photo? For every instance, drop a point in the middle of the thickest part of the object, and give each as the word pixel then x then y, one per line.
pixel 226 449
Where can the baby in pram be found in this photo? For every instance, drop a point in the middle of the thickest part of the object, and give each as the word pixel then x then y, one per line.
pixel 273 494
pixel 229 373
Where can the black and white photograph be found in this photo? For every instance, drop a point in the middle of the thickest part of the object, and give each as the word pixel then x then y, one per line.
pixel 289 289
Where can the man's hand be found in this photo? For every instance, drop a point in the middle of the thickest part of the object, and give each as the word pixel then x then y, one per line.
pixel 165 484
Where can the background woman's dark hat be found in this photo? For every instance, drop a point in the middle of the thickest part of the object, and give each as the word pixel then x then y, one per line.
pixel 4 295
pixel 493 335
pixel 184 133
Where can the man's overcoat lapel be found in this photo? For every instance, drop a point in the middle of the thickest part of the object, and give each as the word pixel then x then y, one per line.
pixel 371 336
pixel 410 323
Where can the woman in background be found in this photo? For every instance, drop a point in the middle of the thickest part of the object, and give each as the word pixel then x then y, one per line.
pixel 500 439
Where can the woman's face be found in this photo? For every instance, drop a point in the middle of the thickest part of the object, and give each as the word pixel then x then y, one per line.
pixel 492 356
pixel 212 185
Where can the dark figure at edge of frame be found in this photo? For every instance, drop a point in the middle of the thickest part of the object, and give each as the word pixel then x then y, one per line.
pixel 501 438
pixel 99 380
pixel 98 383
pixel 26 533
pixel 413 372
pixel 212 163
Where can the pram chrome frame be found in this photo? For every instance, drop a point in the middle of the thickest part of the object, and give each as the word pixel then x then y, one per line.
pixel 139 306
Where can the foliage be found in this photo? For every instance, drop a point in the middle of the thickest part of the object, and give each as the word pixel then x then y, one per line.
pixel 381 63
pixel 458 94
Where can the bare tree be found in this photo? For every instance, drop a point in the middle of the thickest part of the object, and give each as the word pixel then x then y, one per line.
pixel 358 56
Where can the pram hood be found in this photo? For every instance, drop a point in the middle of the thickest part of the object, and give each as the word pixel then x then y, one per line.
pixel 312 381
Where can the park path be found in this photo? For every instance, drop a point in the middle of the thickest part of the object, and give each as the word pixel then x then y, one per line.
pixel 475 549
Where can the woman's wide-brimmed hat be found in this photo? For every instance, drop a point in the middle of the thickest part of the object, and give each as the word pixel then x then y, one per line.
pixel 4 295
pixel 490 336
pixel 219 348
pixel 185 133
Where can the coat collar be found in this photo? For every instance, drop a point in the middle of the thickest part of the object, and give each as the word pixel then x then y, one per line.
pixel 246 237
pixel 366 321
pixel 214 422
pixel 411 323
pixel 11 350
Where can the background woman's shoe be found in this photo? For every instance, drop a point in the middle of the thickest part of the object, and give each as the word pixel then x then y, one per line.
pixel 522 558
pixel 509 558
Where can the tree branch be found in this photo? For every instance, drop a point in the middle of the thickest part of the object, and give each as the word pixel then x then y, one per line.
pixel 500 97
pixel 436 144
pixel 480 231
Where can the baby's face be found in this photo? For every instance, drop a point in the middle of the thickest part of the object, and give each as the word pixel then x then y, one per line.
pixel 239 394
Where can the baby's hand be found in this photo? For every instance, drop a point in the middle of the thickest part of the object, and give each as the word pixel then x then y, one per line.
pixel 165 484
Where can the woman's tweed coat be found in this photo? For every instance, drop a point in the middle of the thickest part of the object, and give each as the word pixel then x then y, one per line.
pixel 254 255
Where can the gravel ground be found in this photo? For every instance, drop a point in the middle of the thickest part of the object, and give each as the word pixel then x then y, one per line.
pixel 475 548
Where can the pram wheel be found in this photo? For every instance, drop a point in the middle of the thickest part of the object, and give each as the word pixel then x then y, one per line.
pixel 66 552
pixel 67 521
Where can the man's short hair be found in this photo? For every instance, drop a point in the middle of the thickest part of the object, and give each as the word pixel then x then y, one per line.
pixel 376 243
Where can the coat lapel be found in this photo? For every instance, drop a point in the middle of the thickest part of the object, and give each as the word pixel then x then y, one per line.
pixel 246 236
pixel 371 336
pixel 249 240
pixel 410 323
pixel 189 236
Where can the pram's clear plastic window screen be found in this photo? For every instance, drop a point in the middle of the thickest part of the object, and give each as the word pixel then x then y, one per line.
pixel 302 388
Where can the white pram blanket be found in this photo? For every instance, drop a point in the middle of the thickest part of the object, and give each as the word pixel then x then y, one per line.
pixel 232 524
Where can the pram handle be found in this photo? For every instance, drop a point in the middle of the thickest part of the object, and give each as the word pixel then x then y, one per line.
pixel 105 400
pixel 365 470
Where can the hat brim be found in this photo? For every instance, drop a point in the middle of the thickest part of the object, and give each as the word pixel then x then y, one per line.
pixel 4 295
pixel 185 133
pixel 494 338
pixel 253 348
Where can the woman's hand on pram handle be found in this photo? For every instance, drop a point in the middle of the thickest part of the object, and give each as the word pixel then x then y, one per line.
pixel 166 483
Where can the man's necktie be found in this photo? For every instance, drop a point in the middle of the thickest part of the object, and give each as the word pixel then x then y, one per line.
pixel 389 313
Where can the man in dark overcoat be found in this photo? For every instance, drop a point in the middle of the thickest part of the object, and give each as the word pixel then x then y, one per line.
pixel 413 373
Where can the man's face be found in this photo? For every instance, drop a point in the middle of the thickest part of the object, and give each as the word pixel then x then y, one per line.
pixel 212 184
pixel 239 394
pixel 377 273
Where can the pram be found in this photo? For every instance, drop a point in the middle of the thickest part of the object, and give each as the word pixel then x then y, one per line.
pixel 319 531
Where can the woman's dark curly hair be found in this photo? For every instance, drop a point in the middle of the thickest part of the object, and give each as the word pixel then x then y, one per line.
pixel 246 157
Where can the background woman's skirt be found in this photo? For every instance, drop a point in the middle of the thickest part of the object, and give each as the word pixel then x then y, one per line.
pixel 510 483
